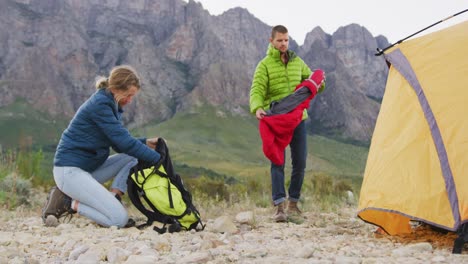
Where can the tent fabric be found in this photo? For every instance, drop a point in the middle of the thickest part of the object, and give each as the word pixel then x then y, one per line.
pixel 417 163
pixel 277 127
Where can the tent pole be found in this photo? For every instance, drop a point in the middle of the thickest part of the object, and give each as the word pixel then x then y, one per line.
pixel 381 51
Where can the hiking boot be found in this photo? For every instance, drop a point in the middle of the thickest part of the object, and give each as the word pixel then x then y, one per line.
pixel 118 197
pixel 280 216
pixel 293 209
pixel 294 213
pixel 57 204
pixel 130 222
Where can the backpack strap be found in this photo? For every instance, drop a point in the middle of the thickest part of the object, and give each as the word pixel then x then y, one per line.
pixel 169 193
pixel 173 228
pixel 160 230
pixel 133 194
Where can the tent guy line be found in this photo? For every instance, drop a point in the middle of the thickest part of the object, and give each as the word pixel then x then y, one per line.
pixel 381 51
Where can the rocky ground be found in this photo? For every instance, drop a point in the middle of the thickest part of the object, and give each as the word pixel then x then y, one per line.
pixel 238 237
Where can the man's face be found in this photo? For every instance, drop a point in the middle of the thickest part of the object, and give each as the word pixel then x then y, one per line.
pixel 280 41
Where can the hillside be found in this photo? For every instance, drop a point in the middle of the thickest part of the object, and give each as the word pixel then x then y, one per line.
pixel 231 145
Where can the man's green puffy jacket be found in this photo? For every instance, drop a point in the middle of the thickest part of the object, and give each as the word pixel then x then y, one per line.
pixel 274 80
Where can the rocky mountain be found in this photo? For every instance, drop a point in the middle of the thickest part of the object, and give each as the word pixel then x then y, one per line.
pixel 52 50
pixel 355 80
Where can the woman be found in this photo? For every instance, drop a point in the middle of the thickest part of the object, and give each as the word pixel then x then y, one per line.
pixel 82 162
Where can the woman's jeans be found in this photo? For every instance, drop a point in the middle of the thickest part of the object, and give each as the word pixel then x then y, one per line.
pixel 298 148
pixel 95 201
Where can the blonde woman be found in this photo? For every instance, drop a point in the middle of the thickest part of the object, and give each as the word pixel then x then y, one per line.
pixel 82 162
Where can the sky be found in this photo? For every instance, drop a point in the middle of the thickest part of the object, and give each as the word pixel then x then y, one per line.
pixel 394 19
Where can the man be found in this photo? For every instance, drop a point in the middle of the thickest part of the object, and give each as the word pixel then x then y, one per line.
pixel 276 77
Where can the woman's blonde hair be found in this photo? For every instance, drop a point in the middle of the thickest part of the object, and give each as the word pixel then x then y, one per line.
pixel 121 78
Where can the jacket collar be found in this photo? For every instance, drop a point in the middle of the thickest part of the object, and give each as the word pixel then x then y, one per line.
pixel 109 95
pixel 275 54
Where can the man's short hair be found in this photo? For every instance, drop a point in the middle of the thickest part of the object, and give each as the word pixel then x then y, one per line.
pixel 279 28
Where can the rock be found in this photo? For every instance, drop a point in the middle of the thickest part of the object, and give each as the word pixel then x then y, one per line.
pixel 91 257
pixel 117 255
pixel 411 250
pixel 198 257
pixel 51 221
pixel 438 259
pixel 78 251
pixel 224 224
pixel 245 217
pixel 306 251
pixel 5 238
pixel 350 200
pixel 137 259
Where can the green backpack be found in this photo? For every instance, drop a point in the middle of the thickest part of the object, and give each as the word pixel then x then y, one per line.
pixel 164 192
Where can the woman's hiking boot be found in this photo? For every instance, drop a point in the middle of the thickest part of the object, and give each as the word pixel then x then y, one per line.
pixel 57 204
pixel 280 215
pixel 130 222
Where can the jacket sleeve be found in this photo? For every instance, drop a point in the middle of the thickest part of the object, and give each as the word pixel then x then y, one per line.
pixel 259 88
pixel 306 72
pixel 119 136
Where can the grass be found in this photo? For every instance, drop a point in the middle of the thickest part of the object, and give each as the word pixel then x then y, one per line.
pixel 231 145
pixel 22 126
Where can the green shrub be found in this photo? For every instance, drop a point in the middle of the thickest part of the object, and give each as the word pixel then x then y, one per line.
pixel 325 192
pixel 322 184
pixel 14 191
pixel 210 187
pixel 29 165
pixel 341 187
pixel 7 163
pixel 17 170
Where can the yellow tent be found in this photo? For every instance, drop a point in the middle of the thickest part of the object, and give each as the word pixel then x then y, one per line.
pixel 417 168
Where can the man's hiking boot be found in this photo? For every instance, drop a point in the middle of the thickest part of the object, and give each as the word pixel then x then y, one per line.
pixel 280 216
pixel 294 213
pixel 293 209
pixel 57 204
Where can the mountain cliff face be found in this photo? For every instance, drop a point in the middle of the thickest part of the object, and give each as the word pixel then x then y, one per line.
pixel 355 78
pixel 52 51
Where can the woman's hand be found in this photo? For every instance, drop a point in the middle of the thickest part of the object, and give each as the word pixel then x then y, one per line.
pixel 152 142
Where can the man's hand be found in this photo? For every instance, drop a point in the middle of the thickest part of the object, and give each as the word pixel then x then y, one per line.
pixel 260 113
pixel 151 142
pixel 318 78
